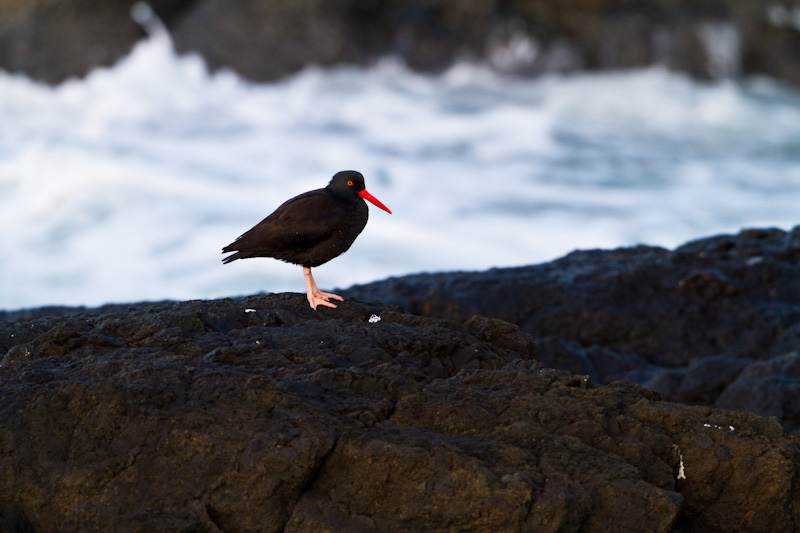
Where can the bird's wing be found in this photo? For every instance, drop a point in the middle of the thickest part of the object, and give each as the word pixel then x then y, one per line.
pixel 298 224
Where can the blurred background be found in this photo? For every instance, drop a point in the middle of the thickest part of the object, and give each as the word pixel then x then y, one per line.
pixel 136 140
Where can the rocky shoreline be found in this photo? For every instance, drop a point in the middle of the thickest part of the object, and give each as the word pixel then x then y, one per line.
pixel 266 40
pixel 259 414
pixel 714 322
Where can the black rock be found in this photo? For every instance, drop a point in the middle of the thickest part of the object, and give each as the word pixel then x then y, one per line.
pixel 688 323
pixel 259 414
pixel 267 39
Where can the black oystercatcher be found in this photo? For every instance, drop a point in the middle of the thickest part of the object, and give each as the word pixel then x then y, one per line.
pixel 311 229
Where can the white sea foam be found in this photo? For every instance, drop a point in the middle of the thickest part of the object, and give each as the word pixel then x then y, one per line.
pixel 124 186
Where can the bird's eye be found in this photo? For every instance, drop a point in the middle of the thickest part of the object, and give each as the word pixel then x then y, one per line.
pixel 349 183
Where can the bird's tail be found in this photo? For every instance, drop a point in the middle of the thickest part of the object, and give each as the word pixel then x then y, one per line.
pixel 234 257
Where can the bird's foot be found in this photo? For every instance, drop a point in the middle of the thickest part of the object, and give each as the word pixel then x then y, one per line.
pixel 315 296
pixel 322 298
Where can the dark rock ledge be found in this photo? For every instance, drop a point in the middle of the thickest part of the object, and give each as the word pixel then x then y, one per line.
pixel 259 414
pixel 714 322
pixel 265 40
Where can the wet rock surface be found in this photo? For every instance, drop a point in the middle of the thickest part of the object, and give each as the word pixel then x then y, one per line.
pixel 265 40
pixel 714 322
pixel 259 414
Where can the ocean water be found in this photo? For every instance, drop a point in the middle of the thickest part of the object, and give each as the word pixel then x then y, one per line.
pixel 125 185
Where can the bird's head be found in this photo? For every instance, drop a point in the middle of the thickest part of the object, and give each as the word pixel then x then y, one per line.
pixel 351 183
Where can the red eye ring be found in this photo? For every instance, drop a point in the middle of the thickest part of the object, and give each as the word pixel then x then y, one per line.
pixel 350 183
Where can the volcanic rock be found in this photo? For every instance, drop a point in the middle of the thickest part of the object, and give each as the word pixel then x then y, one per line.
pixel 267 39
pixel 259 414
pixel 713 322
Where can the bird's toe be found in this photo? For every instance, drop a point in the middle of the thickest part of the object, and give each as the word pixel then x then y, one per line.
pixel 327 296
pixel 315 301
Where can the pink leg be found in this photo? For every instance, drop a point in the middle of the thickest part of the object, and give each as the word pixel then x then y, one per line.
pixel 315 296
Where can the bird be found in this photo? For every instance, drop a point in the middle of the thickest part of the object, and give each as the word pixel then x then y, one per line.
pixel 311 229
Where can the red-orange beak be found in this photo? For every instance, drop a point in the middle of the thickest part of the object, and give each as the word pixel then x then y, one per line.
pixel 368 197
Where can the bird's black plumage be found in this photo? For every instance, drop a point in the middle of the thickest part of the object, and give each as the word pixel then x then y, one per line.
pixel 310 229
